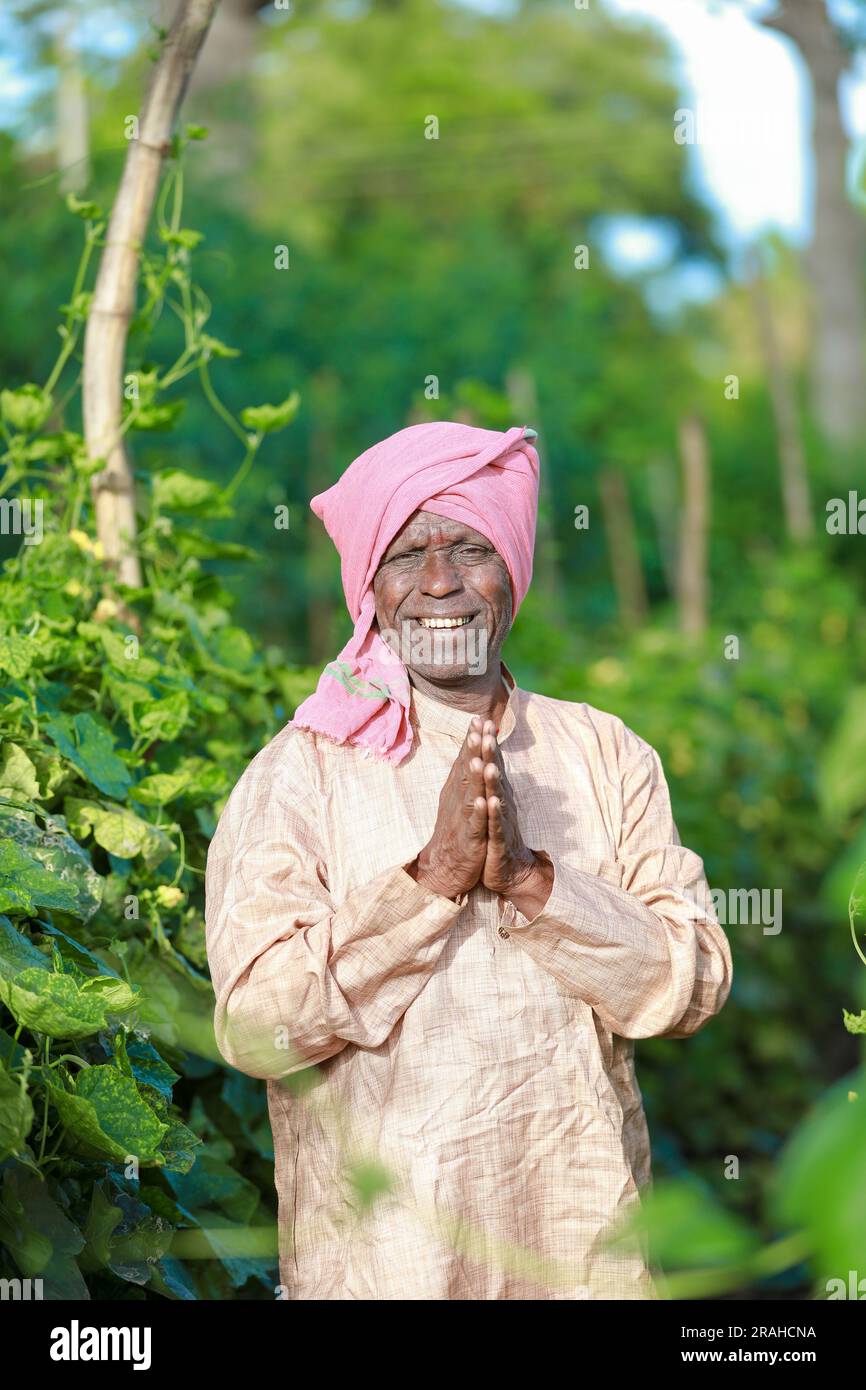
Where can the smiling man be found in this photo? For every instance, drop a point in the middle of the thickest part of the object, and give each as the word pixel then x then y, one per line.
pixel 440 910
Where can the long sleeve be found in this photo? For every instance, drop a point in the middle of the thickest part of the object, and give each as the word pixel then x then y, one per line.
pixel 296 977
pixel 648 955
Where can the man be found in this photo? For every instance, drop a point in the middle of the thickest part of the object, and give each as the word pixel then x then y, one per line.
pixel 441 908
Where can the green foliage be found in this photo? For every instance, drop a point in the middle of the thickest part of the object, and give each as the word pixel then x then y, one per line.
pixel 127 715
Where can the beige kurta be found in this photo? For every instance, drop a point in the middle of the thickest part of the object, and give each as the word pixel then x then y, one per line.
pixel 483 1061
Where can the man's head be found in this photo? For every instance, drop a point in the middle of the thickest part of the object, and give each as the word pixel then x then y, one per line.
pixel 443 599
pixel 435 522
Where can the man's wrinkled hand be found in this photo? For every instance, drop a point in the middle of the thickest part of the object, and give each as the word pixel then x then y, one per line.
pixel 452 860
pixel 511 868
pixel 508 862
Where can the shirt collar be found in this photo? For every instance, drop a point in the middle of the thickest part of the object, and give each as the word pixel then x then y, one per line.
pixel 432 715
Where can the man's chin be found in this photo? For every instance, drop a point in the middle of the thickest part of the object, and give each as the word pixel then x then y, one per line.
pixel 445 675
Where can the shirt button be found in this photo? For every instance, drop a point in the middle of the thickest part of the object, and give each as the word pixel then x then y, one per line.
pixel 503 933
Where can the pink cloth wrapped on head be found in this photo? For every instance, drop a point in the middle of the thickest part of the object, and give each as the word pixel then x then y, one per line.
pixel 487 479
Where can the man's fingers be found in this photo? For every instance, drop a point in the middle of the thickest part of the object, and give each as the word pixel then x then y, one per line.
pixel 492 779
pixel 490 750
pixel 478 818
pixel 475 786
pixel 495 776
pixel 474 734
pixel 494 818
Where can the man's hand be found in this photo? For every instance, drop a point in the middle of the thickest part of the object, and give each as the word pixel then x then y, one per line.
pixel 453 858
pixel 508 861
pixel 511 869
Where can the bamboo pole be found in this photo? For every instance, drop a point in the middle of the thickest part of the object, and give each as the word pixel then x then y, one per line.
pixel 114 292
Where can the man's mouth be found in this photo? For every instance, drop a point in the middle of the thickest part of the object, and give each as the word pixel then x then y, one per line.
pixel 446 622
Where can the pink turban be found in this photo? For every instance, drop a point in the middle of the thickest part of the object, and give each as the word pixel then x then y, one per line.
pixel 487 479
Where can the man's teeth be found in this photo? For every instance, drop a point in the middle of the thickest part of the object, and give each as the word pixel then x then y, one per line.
pixel 445 622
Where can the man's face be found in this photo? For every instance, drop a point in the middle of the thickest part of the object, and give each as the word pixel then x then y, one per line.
pixel 443 599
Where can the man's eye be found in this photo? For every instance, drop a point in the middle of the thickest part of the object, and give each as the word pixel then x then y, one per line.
pixel 472 552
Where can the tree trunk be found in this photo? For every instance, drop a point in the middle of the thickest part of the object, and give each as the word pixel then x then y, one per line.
pixel 661 481
pixel 114 292
pixel 622 542
pixel 547 575
pixel 835 261
pixel 792 461
pixel 694 520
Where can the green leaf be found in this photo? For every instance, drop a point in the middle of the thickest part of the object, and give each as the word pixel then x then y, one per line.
pixel 179 1148
pixel 102 1221
pixel 164 719
pixel 183 236
pixel 26 409
pixel 17 773
pixel 82 207
pixel 108 1117
pixel 17 952
pixel 819 1186
pixel 127 696
pixel 195 778
pixel 842 771
pixel 123 654
pixel 266 419
pixel 60 1006
pixel 45 868
pixel 16 1112
pixel 158 416
pixel 212 347
pixel 26 885
pixel 149 1068
pixel 16 655
pixel 160 788
pixel 76 949
pixel 234 648
pixel 59 445
pixel 177 491
pixel 857 910
pixel 170 1278
pixel 118 830
pixel 206 548
pixel 178 1010
pixel 687 1228
pixel 213 1183
pixel 41 1239
pixel 89 746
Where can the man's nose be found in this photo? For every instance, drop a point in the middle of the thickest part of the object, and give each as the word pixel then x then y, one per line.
pixel 439 576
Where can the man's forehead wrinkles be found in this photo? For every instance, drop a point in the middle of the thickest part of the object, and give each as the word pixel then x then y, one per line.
pixel 439 531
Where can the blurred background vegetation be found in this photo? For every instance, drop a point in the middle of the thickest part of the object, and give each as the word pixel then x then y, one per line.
pixel 700 391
